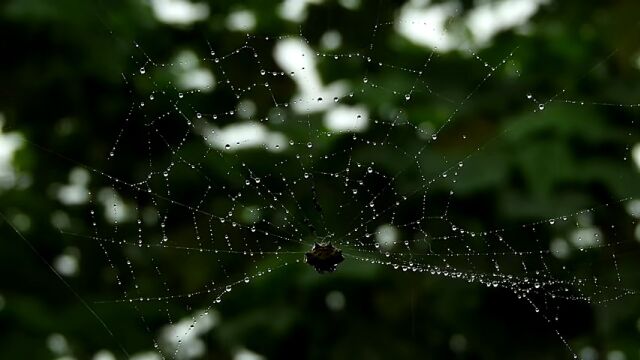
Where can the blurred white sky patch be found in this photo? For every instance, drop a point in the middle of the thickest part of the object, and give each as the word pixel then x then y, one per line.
pixel 238 136
pixel 633 208
pixel 9 144
pixel 76 192
pixel 241 20
pixel 295 10
pixel 350 4
pixel 57 344
pixel 586 237
pixel 331 40
pixel 347 118
pixel 190 73
pixel 246 108
pixel 559 248
pixel 149 355
pixel 246 354
pixel 68 262
pixel 179 12
pixel 386 235
pixel 635 154
pixel 616 355
pixel 297 59
pixel 104 355
pixel 115 209
pixel 488 19
pixel 184 338
pixel 295 56
pixel 426 24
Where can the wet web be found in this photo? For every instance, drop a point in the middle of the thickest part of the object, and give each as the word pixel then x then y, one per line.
pixel 244 175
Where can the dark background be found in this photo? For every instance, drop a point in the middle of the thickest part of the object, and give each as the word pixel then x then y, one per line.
pixel 68 71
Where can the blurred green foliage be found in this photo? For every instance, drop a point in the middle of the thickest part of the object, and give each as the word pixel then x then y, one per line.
pixel 63 89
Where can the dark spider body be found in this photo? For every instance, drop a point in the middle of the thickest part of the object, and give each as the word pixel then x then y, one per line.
pixel 324 257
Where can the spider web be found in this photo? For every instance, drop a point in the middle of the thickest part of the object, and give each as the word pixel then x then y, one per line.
pixel 238 178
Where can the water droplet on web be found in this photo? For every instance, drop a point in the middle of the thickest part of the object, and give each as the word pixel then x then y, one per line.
pixel 365 80
pixel 541 106
pixel 407 97
pixel 262 72
pixel 142 70
pixel 180 95
pixel 309 145
pixel 529 96
pixel 246 279
pixel 227 146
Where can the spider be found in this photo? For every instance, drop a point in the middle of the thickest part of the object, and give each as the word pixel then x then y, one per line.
pixel 324 257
